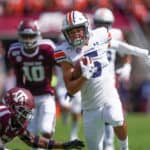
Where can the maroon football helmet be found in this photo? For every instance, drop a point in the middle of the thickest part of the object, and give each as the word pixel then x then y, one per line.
pixel 28 33
pixel 21 102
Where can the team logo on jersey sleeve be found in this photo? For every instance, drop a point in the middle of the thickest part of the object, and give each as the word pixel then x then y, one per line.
pixel 18 58
pixel 41 57
pixel 59 55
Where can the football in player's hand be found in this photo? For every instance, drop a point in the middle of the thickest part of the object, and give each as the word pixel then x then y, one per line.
pixel 77 68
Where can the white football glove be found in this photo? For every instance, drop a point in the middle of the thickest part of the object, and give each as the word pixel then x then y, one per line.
pixel 124 72
pixel 87 69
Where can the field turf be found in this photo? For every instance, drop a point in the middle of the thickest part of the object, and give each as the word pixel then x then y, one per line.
pixel 138 132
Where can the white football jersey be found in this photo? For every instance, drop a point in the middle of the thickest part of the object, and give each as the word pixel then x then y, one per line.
pixel 98 90
pixel 116 34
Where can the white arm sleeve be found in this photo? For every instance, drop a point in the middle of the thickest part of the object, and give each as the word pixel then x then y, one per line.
pixel 125 48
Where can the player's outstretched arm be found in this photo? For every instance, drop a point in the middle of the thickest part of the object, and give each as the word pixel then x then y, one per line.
pixel 126 48
pixel 41 142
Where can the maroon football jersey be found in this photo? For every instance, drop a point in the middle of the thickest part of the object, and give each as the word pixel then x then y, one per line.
pixel 34 71
pixel 7 131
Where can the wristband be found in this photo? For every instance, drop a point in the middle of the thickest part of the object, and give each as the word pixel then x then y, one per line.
pixel 50 144
pixel 35 142
pixel 71 96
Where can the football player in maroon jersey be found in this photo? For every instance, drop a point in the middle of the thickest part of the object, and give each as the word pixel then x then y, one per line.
pixel 33 60
pixel 14 115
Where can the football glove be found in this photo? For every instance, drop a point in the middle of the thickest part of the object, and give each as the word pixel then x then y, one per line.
pixel 77 144
pixel 87 69
pixel 124 72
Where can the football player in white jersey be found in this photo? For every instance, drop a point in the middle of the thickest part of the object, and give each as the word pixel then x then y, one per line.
pixel 103 17
pixel 85 66
pixel 69 104
pixel 100 100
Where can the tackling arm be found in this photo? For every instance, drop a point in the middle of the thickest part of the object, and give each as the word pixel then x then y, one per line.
pixel 41 142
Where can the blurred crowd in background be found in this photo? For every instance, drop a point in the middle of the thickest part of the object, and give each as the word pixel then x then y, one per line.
pixel 138 8
pixel 131 16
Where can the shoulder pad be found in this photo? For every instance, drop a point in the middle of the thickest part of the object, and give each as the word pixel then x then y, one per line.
pixel 116 34
pixel 47 42
pixel 102 35
pixel 14 46
pixel 60 52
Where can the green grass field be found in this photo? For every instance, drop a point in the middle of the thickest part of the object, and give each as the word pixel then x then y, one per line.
pixel 138 132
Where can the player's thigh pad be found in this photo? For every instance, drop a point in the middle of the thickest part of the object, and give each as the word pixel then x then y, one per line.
pixel 76 103
pixel 61 92
pixel 113 113
pixel 47 111
pixel 93 129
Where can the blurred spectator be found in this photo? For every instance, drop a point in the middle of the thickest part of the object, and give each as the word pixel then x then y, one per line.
pixel 49 5
pixel 140 11
pixel 140 86
pixel 80 5
pixel 104 3
pixel 2 7
pixel 63 5
pixel 34 6
pixel 15 7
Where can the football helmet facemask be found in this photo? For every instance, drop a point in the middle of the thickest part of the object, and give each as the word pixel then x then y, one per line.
pixel 75 28
pixel 28 34
pixel 20 102
pixel 103 17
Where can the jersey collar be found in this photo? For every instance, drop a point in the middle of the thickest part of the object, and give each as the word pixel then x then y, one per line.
pixel 29 55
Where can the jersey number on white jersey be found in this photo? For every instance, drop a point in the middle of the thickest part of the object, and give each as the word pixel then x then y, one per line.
pixel 97 64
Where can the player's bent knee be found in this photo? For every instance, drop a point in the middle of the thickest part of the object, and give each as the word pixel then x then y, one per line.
pixel 117 123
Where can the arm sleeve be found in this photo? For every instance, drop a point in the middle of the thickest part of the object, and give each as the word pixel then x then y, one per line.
pixel 125 48
pixel 34 141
